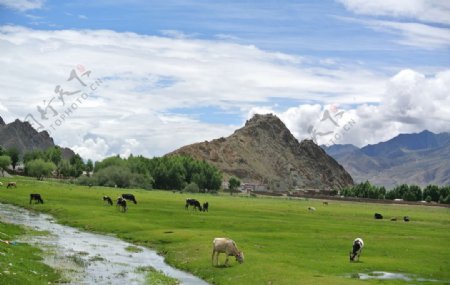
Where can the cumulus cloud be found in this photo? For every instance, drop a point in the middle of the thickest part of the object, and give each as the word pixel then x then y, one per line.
pixel 412 102
pixel 22 5
pixel 144 77
pixel 95 149
pixel 139 80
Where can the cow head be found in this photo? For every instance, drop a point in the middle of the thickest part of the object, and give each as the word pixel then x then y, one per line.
pixel 240 257
pixel 352 256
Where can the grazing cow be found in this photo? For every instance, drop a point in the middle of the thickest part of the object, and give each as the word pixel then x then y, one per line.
pixel 37 198
pixel 205 207
pixel 129 197
pixel 406 218
pixel 194 203
pixel 325 203
pixel 358 245
pixel 311 209
pixel 12 184
pixel 378 216
pixel 227 246
pixel 122 204
pixel 108 199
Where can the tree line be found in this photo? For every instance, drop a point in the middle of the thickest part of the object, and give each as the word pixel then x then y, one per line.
pixel 406 192
pixel 167 173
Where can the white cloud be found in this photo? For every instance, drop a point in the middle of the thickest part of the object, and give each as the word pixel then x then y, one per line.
pixel 22 5
pixel 95 149
pixel 412 102
pixel 418 23
pixel 145 77
pixel 415 34
pixel 433 11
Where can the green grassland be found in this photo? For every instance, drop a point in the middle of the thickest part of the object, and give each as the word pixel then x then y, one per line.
pixel 283 242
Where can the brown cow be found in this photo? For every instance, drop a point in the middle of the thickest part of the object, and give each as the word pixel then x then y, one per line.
pixel 11 184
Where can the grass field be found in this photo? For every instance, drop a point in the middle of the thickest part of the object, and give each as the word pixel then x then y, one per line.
pixel 283 242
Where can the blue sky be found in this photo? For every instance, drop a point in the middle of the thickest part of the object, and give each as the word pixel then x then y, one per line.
pixel 204 67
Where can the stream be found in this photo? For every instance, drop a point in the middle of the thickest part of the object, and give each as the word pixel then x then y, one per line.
pixel 88 258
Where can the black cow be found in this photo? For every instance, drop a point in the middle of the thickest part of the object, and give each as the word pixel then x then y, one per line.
pixel 378 216
pixel 37 198
pixel 205 207
pixel 406 218
pixel 122 204
pixel 129 197
pixel 194 203
pixel 108 199
pixel 358 245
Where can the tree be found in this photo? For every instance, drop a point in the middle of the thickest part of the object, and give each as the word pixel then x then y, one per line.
pixel 5 161
pixel 14 154
pixel 192 188
pixel 77 165
pixel 39 168
pixel 432 191
pixel 54 155
pixel 233 184
pixel 89 167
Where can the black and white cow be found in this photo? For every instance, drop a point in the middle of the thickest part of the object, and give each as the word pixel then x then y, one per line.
pixel 108 200
pixel 194 203
pixel 129 197
pixel 37 198
pixel 122 204
pixel 358 245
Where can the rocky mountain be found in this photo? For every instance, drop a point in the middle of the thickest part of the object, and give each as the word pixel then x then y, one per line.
pixel 265 152
pixel 420 158
pixel 25 138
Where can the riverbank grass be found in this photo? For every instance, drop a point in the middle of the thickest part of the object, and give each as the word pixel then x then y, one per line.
pixel 21 263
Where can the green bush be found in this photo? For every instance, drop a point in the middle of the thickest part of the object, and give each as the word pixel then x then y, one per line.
pixel 192 188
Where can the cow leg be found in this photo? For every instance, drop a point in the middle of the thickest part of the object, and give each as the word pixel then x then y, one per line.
pixel 212 257
pixel 226 260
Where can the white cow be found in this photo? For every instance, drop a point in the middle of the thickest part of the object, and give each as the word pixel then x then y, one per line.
pixel 227 246
pixel 358 245
pixel 311 209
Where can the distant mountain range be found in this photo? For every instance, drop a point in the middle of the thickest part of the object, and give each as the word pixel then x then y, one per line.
pixel 419 158
pixel 24 137
pixel 265 152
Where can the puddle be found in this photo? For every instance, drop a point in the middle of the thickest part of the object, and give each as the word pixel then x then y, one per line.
pixel 88 258
pixel 382 275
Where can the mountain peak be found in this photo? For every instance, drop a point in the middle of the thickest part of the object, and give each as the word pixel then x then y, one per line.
pixel 2 123
pixel 264 151
pixel 24 137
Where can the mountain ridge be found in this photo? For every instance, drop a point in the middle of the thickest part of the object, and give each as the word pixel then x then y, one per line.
pixel 24 137
pixel 264 151
pixel 418 158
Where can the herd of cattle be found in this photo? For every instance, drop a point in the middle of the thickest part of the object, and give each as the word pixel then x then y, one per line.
pixel 220 245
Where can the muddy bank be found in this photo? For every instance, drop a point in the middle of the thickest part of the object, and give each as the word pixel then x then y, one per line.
pixel 87 258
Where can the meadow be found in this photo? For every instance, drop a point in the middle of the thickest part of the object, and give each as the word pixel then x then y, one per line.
pixel 283 242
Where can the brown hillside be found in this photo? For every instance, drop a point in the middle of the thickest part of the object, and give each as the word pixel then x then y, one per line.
pixel 264 151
